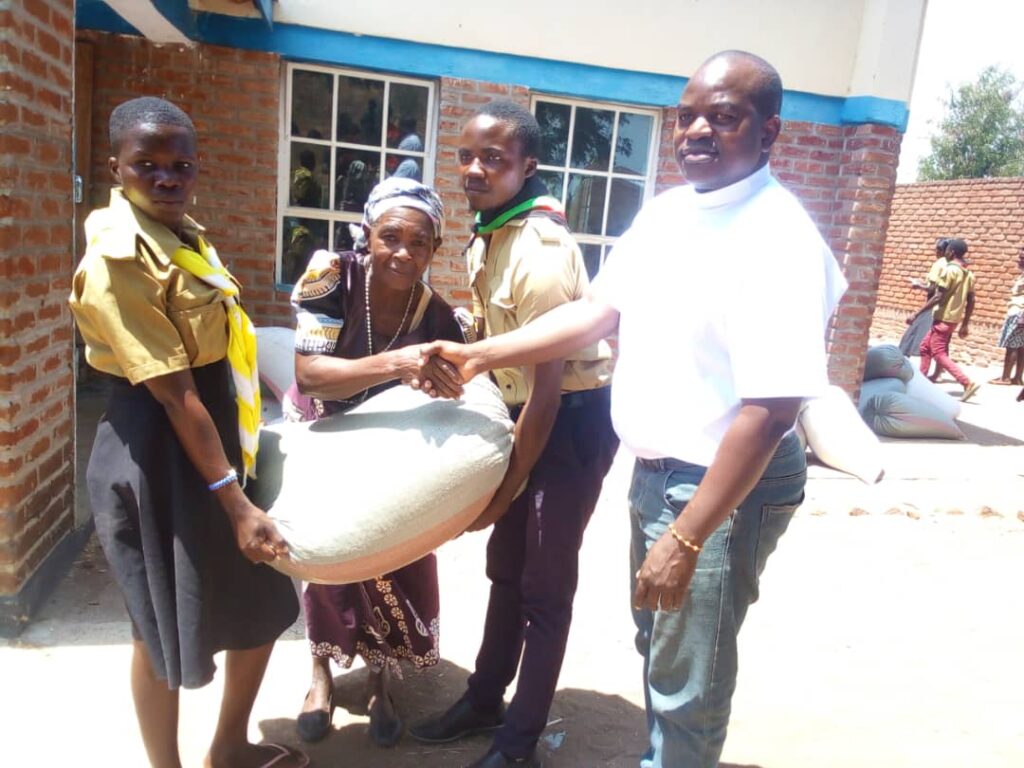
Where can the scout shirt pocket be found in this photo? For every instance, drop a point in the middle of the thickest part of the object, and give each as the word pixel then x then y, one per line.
pixel 501 314
pixel 198 312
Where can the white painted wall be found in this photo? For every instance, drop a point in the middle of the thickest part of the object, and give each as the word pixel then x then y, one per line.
pixel 828 47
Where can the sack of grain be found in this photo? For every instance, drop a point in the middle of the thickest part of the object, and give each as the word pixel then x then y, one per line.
pixel 275 358
pixel 839 438
pixel 922 388
pixel 877 386
pixel 886 361
pixel 361 494
pixel 892 414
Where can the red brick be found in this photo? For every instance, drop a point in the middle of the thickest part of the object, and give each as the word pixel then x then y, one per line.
pixel 39 9
pixel 48 44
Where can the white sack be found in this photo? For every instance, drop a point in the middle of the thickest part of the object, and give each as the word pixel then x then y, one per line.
pixel 360 494
pixel 921 388
pixel 838 436
pixel 275 358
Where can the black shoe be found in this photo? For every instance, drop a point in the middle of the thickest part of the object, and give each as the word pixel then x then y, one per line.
pixel 461 719
pixel 495 759
pixel 386 733
pixel 313 726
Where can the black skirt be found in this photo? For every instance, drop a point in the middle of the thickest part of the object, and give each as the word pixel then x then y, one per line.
pixel 910 344
pixel 189 591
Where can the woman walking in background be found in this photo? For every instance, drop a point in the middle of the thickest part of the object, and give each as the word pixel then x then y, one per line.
pixel 1012 337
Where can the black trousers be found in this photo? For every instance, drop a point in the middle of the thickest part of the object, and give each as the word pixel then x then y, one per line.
pixel 532 562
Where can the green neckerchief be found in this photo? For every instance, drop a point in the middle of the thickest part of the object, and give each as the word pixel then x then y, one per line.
pixel 545 202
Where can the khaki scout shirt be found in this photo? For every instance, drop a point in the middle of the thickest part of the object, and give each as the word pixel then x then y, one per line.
pixel 139 314
pixel 958 284
pixel 518 273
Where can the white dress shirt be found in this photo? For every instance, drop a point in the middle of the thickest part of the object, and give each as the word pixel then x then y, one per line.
pixel 722 295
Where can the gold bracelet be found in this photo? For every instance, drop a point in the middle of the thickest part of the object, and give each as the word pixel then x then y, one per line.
pixel 682 540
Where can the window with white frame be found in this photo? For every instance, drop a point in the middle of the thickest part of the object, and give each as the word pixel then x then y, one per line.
pixel 600 160
pixel 344 131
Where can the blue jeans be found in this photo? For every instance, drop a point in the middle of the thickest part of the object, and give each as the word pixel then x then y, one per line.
pixel 690 659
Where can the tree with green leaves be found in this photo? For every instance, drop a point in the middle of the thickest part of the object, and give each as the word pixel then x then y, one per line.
pixel 982 133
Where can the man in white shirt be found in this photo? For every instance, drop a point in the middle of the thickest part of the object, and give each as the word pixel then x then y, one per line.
pixel 721 292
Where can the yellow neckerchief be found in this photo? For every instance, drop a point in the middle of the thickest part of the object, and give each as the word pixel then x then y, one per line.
pixel 207 266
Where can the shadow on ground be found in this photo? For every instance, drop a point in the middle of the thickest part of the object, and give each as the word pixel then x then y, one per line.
pixel 587 729
pixel 981 436
pixel 88 609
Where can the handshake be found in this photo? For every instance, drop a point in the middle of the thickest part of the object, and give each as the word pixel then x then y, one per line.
pixel 440 368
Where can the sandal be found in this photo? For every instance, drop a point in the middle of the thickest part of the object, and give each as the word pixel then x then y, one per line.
pixel 1001 382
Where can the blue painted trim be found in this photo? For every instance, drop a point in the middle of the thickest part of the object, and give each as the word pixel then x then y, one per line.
pixel 869 109
pixel 324 46
pixel 95 14
pixel 329 47
pixel 811 107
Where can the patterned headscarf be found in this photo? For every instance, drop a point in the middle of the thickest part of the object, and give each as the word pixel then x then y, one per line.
pixel 398 192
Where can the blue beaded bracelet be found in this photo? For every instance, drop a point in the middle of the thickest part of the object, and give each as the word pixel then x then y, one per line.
pixel 230 477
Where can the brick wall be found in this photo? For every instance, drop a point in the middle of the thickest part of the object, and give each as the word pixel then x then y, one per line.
pixel 860 216
pixel 36 386
pixel 233 96
pixel 989 215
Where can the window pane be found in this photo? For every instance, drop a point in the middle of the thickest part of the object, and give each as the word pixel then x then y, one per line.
pixel 627 197
pixel 592 139
pixel 342 237
pixel 407 116
pixel 553 181
pixel 309 174
pixel 554 126
pixel 405 166
pixel 311 104
pixel 360 103
pixel 358 173
pixel 300 238
pixel 585 206
pixel 632 144
pixel 591 257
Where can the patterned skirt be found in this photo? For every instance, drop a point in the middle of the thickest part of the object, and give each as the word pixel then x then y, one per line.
pixel 386 620
pixel 1012 336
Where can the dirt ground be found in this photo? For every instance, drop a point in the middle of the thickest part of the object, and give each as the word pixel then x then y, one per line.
pixel 889 633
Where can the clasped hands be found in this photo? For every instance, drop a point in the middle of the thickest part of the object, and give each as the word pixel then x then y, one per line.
pixel 440 369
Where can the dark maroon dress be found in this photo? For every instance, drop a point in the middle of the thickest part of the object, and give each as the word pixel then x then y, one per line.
pixel 395 616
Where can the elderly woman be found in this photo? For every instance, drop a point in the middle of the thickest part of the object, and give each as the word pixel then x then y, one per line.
pixel 361 317
pixel 1012 336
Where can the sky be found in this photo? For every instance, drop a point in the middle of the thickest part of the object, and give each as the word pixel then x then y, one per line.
pixel 961 38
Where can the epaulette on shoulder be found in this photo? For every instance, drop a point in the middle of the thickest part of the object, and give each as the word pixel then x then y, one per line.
pixel 550 230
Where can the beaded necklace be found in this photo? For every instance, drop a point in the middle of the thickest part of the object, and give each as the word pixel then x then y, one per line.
pixel 369 322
